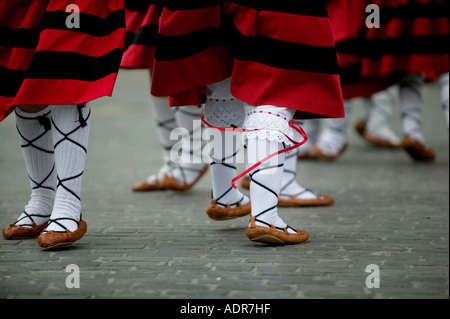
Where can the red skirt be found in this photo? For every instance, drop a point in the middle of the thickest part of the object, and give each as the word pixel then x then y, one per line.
pixel 413 38
pixel 348 19
pixel 277 53
pixel 51 55
pixel 142 19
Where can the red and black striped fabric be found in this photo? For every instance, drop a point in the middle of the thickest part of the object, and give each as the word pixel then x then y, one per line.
pixel 413 38
pixel 142 19
pixel 277 52
pixel 348 22
pixel 44 62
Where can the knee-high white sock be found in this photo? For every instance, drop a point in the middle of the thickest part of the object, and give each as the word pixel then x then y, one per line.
pixel 191 166
pixel 265 182
pixel 223 110
pixel 312 129
pixel 444 87
pixel 165 124
pixel 289 184
pixel 70 129
pixel 334 135
pixel 411 106
pixel 223 150
pixel 378 121
pixel 37 148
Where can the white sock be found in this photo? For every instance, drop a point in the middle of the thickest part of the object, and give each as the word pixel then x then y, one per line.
pixel 364 116
pixel 166 123
pixel 191 166
pixel 223 151
pixel 333 138
pixel 37 148
pixel 411 106
pixel 266 182
pixel 444 88
pixel 312 130
pixel 378 122
pixel 289 184
pixel 70 129
pixel 222 109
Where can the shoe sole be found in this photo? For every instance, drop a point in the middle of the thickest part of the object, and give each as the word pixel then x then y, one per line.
pixel 224 218
pixel 58 246
pixel 311 203
pixel 272 240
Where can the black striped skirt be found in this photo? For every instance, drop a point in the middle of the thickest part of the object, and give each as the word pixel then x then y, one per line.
pixel 277 52
pixel 348 22
pixel 413 38
pixel 142 19
pixel 54 53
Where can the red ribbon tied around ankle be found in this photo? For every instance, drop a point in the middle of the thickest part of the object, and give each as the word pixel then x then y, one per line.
pixel 293 124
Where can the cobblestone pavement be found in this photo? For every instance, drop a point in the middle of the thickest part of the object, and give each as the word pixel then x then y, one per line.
pixel 389 212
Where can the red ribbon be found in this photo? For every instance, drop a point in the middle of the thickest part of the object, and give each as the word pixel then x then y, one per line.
pixel 292 124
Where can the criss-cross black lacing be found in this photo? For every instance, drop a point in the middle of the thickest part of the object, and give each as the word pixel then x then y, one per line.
pixel 66 137
pixel 223 195
pixel 292 180
pixel 30 216
pixel 56 221
pixel 44 121
pixel 231 188
pixel 182 169
pixel 83 123
pixel 254 181
pixel 41 184
pixel 165 125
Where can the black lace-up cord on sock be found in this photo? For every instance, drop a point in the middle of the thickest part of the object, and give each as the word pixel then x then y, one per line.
pixel 83 123
pixel 252 178
pixel 231 188
pixel 45 122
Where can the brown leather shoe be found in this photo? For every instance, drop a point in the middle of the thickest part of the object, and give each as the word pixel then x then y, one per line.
pixel 378 141
pixel 14 231
pixel 51 239
pixel 293 201
pixel 360 127
pixel 273 236
pixel 316 152
pixel 170 183
pixel 167 183
pixel 321 200
pixel 144 186
pixel 225 213
pixel 418 151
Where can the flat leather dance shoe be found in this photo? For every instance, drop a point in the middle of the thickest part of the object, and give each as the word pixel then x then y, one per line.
pixel 14 231
pixel 145 186
pixel 167 183
pixel 379 141
pixel 418 151
pixel 293 201
pixel 52 239
pixel 316 152
pixel 275 236
pixel 217 212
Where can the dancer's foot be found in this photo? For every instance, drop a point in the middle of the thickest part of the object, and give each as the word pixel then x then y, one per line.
pixel 169 178
pixel 50 239
pixel 273 235
pixel 418 151
pixel 301 197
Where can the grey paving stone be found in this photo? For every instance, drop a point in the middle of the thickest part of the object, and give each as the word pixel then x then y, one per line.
pixel 389 211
